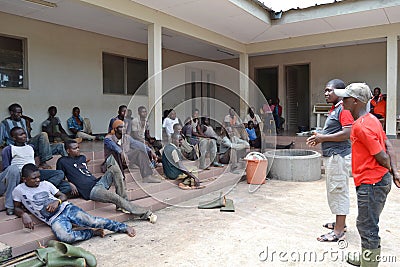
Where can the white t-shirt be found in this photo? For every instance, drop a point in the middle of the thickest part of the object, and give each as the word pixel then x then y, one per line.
pixel 169 125
pixel 36 199
pixel 21 155
pixel 256 119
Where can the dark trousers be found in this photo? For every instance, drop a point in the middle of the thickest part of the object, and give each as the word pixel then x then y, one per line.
pixel 371 199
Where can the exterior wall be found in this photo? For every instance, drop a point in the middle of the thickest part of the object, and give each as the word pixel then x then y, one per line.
pixel 65 70
pixel 358 63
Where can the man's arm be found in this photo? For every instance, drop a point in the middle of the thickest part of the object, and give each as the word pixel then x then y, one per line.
pixel 71 126
pixel 52 207
pixel 6 157
pixel 393 162
pixel 26 218
pixel 110 144
pixel 340 136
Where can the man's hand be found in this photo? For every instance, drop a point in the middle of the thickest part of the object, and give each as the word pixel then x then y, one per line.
pixel 27 221
pixel 313 140
pixel 53 206
pixel 74 190
pixel 396 178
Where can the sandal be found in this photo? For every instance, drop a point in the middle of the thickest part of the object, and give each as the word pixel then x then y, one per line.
pixel 331 226
pixel 187 187
pixel 331 237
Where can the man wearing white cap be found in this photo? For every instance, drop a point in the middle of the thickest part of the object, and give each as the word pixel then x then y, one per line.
pixel 373 164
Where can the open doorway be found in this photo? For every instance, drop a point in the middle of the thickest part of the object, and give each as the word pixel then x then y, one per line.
pixel 267 81
pixel 297 97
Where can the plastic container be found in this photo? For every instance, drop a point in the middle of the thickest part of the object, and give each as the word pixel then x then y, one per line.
pixel 256 168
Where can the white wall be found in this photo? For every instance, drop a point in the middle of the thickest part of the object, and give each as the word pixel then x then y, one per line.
pixel 358 63
pixel 65 70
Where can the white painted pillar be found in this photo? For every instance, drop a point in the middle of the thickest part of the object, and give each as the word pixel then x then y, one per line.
pixel 391 102
pixel 244 83
pixel 155 84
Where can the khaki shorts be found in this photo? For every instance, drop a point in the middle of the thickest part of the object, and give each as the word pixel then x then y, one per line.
pixel 337 183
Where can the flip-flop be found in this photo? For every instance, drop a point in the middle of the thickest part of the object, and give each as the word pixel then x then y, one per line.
pixel 331 237
pixel 331 226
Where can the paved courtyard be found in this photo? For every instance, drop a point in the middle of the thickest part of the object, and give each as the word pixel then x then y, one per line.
pixel 275 226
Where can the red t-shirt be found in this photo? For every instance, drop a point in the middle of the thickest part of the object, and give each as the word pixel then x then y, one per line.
pixel 368 139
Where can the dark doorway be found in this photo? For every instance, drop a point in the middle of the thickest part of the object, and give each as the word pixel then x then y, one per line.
pixel 297 97
pixel 267 81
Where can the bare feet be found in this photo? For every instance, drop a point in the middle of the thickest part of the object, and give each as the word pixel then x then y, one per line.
pixel 130 231
pixel 99 232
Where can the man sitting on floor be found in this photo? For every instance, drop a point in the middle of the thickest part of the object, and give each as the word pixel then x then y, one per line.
pixel 80 127
pixel 231 149
pixel 14 158
pixel 89 187
pixel 121 116
pixel 52 126
pixel 127 150
pixel 49 205
pixel 173 166
pixel 43 149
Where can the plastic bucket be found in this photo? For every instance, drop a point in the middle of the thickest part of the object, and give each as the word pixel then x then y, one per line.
pixel 256 168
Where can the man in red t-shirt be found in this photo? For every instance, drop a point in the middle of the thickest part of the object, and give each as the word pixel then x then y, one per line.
pixel 373 162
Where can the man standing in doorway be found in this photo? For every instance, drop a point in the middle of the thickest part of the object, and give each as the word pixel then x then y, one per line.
pixel 336 150
pixel 373 164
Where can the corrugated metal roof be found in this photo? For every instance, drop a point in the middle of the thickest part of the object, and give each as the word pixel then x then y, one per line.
pixel 280 5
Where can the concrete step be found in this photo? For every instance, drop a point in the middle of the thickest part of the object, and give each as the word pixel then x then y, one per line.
pixel 151 196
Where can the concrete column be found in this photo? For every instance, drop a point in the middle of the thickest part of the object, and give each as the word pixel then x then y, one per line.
pixel 244 83
pixel 391 104
pixel 155 83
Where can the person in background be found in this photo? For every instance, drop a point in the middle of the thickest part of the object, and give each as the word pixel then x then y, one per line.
pixel 41 145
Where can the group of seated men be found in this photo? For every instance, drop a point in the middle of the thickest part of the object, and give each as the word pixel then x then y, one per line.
pixel 44 191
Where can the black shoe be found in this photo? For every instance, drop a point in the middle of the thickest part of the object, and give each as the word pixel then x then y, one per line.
pixel 10 211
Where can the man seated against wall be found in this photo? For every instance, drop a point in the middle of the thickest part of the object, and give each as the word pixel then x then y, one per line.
pixel 14 157
pixel 379 110
pixel 128 151
pixel 174 168
pixel 232 148
pixel 42 147
pixel 141 132
pixel 168 125
pixel 98 189
pixel 49 205
pixel 233 121
pixel 188 151
pixel 122 112
pixel 80 126
pixel 52 126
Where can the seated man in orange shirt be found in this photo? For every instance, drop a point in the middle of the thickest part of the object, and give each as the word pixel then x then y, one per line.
pixel 380 108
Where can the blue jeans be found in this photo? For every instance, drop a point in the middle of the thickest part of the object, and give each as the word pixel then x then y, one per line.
pixel 62 225
pixel 56 177
pixel 371 199
pixel 9 179
pixel 44 149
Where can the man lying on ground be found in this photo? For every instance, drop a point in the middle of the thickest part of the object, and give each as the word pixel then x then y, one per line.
pixel 49 205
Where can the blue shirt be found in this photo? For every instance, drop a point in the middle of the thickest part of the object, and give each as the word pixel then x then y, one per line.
pixel 252 134
pixel 72 124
